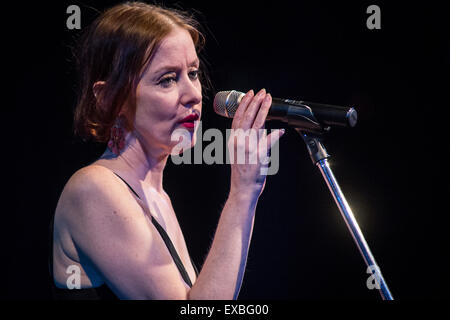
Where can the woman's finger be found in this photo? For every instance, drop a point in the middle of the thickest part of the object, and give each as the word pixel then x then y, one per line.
pixel 262 113
pixel 252 109
pixel 241 109
pixel 273 137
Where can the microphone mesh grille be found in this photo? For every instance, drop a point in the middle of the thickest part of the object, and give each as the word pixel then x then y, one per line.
pixel 226 103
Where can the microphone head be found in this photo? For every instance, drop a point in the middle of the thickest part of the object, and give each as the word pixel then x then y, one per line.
pixel 227 102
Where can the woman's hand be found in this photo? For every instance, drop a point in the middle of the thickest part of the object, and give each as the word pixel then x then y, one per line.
pixel 249 145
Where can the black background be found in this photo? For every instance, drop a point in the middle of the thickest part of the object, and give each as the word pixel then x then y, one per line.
pixel 392 166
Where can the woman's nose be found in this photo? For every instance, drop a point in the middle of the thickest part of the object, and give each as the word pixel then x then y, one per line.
pixel 191 93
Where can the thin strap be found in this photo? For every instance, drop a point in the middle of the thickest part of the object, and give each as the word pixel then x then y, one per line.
pixel 169 244
pixel 128 185
pixel 173 252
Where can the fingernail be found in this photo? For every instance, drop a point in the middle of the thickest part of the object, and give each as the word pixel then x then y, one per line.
pixel 248 95
pixel 282 131
pixel 262 92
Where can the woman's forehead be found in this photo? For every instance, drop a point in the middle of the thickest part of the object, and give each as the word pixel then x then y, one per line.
pixel 176 49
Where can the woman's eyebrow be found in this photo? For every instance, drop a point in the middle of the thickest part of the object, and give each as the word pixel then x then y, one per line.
pixel 194 63
pixel 164 68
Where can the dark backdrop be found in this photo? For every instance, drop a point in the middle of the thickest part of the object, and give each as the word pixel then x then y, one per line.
pixel 392 166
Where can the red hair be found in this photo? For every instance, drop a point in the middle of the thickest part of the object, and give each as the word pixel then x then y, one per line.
pixel 115 49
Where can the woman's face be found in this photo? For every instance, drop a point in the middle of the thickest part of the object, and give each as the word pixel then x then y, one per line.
pixel 168 92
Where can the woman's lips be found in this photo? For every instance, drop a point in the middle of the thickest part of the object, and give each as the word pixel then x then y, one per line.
pixel 189 121
pixel 192 117
pixel 188 124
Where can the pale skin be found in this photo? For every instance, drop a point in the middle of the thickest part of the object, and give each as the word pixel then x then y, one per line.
pixel 103 228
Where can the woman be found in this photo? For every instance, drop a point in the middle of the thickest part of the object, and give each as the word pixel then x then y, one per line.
pixel 114 222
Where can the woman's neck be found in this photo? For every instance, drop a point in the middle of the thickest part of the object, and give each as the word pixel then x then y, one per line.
pixel 143 164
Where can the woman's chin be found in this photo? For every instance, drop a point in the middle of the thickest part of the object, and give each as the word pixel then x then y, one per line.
pixel 182 147
pixel 184 140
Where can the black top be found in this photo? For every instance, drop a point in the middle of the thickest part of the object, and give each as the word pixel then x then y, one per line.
pixel 103 292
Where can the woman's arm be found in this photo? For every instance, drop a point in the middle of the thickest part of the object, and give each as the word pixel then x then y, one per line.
pixel 113 234
pixel 223 270
pixel 222 273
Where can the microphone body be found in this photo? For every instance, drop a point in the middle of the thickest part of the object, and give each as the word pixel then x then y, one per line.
pixel 308 116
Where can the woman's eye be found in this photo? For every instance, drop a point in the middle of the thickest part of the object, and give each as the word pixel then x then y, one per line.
pixel 194 74
pixel 167 82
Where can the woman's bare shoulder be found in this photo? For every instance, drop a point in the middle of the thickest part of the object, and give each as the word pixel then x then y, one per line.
pixel 89 176
pixel 91 188
pixel 94 201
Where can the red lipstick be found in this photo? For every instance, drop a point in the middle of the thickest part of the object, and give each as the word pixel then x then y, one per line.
pixel 188 122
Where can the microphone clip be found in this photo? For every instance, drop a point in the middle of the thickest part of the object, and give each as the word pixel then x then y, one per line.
pixel 314 144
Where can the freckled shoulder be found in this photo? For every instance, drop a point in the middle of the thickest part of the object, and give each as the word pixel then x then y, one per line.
pixel 92 175
pixel 95 190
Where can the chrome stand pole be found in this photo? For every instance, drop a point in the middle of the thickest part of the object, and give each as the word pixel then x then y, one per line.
pixel 319 156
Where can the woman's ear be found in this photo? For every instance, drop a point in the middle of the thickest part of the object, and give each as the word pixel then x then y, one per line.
pixel 98 89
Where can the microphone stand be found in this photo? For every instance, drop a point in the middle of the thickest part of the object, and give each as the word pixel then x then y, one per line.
pixel 319 157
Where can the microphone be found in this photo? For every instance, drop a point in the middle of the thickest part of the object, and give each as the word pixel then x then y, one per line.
pixel 304 115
